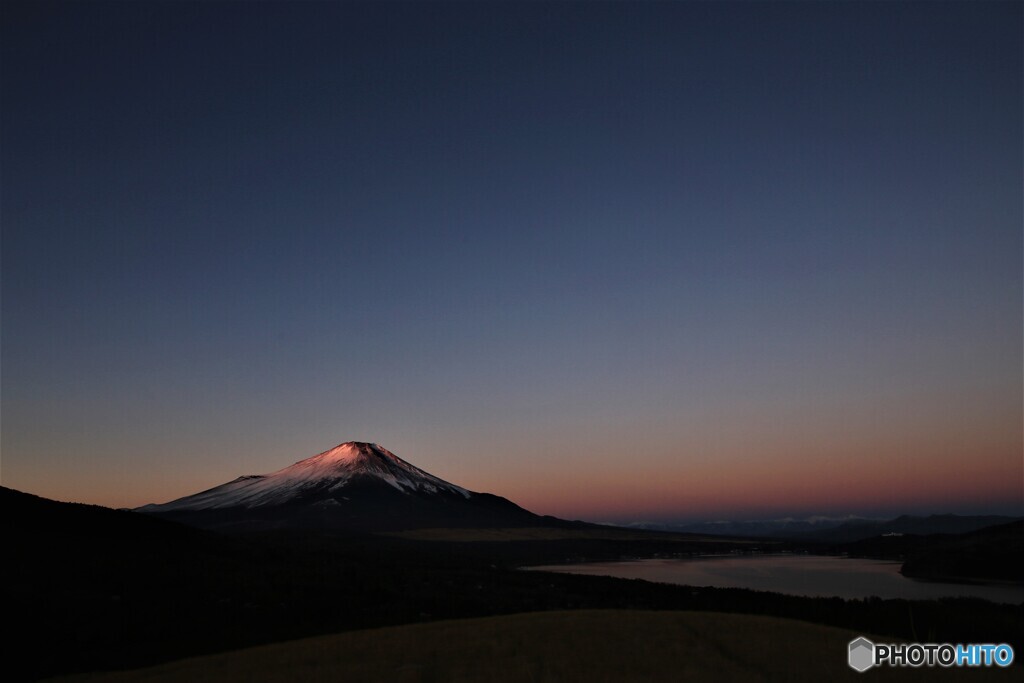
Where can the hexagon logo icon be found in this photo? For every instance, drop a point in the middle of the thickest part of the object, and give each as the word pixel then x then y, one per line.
pixel 862 654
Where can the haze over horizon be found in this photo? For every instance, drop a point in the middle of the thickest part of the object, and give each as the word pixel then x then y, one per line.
pixel 659 261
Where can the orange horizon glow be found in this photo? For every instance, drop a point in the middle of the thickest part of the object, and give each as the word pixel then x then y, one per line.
pixel 607 487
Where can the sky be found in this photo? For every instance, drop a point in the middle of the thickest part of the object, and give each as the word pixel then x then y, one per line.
pixel 615 262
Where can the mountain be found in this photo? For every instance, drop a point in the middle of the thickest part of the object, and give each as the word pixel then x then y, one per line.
pixel 908 525
pixel 31 519
pixel 355 485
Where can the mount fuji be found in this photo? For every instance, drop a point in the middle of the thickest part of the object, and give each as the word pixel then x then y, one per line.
pixel 355 485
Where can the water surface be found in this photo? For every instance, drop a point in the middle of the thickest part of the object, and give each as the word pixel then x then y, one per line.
pixel 808 575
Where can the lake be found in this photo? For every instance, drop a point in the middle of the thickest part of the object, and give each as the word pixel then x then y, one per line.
pixel 809 575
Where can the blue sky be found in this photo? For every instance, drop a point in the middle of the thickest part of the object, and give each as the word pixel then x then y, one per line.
pixel 598 258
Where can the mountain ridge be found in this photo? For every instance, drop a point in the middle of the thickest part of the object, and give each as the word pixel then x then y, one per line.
pixel 333 469
pixel 355 485
pixel 836 529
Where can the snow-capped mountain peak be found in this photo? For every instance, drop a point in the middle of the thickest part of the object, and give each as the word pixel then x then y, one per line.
pixel 322 476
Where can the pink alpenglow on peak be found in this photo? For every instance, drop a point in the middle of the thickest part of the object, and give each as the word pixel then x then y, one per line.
pixel 326 472
pixel 355 486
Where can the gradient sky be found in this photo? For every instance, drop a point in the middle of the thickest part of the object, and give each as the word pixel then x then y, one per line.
pixel 617 262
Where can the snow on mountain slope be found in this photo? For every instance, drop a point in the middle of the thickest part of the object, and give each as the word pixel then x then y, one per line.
pixel 325 474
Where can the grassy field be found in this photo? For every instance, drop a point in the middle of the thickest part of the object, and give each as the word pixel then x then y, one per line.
pixel 585 645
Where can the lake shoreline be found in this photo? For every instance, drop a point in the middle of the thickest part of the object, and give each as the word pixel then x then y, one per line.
pixel 789 573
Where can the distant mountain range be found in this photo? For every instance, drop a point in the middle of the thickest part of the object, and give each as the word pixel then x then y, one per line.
pixel 355 486
pixel 837 529
pixel 776 528
pixel 909 525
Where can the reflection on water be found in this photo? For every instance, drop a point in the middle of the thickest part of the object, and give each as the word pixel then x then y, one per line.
pixel 811 575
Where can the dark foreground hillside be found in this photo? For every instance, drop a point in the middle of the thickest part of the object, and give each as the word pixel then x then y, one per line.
pixel 589 646
pixel 92 589
pixel 994 553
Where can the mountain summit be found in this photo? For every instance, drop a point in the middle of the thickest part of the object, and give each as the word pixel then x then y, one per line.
pixel 318 478
pixel 354 485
